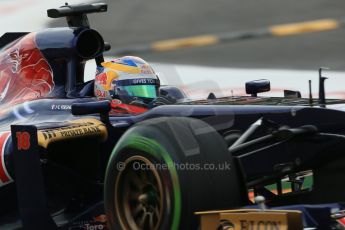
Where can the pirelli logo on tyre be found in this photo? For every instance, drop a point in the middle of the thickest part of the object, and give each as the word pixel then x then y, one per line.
pixel 73 129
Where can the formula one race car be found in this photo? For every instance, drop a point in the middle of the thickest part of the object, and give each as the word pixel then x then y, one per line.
pixel 65 163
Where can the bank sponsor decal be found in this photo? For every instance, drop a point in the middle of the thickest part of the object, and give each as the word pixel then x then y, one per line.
pixel 77 128
pixel 72 131
pixel 83 131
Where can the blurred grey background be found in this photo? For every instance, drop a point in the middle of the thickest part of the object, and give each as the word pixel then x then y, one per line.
pixel 132 22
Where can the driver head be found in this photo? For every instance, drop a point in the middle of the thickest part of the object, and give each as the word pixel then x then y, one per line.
pixel 127 79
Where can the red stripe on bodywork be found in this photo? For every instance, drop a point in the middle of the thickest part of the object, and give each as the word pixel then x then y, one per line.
pixel 341 221
pixel 120 108
pixel 3 173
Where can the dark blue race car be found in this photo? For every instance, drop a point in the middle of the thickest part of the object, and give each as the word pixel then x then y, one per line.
pixel 68 161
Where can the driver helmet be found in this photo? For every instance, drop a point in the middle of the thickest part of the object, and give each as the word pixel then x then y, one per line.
pixel 127 79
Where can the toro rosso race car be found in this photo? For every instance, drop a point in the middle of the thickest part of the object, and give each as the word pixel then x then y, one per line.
pixel 68 162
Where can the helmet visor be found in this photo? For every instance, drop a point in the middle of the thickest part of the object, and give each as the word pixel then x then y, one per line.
pixel 146 91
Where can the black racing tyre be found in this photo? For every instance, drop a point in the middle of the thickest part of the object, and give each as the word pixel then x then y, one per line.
pixel 163 170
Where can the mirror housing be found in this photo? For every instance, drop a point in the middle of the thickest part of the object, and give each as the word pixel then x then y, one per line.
pixel 93 107
pixel 257 86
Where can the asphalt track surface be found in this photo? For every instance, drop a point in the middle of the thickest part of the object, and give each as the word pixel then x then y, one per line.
pixel 129 23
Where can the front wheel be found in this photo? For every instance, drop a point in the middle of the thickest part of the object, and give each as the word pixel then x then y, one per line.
pixel 149 185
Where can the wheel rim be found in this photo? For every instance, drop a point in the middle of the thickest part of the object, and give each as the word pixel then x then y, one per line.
pixel 139 195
